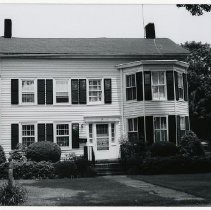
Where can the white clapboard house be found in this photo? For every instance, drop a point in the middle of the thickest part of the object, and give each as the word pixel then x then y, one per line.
pixel 91 92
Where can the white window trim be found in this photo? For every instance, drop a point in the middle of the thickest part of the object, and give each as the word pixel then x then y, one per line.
pixel 165 85
pixel 20 130
pixel 20 91
pixel 167 129
pixel 87 92
pixel 69 91
pixel 128 74
pixel 70 133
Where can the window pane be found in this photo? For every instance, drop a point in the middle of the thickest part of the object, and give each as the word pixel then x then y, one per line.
pixel 182 123
pixel 163 135
pixel 157 135
pixel 162 92
pixel 28 85
pixel 155 92
pixel 27 98
pixel 157 122
pixel 163 123
pixel 102 129
pixel 155 78
pixel 63 141
pixel 130 125
pixel 161 78
pixel 62 95
pixel 26 141
pixel 132 136
pixel 135 124
pixel 133 82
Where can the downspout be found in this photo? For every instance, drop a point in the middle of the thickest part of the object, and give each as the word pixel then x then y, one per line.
pixel 122 101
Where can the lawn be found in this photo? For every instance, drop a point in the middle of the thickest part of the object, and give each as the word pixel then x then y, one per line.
pixel 195 184
pixel 102 191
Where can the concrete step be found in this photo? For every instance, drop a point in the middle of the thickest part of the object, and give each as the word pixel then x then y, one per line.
pixel 108 169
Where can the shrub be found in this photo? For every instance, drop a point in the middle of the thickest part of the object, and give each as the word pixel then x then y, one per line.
pixel 33 170
pixel 163 149
pixel 66 169
pixel 43 151
pixel 132 153
pixel 11 195
pixel 190 145
pixel 4 170
pixel 2 155
pixel 19 153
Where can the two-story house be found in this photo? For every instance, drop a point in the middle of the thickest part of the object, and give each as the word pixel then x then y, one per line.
pixel 91 92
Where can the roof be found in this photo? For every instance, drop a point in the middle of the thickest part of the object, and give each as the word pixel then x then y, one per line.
pixel 90 46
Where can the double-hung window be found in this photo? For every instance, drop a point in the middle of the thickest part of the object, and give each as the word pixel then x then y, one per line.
pixel 182 125
pixel 62 134
pixel 91 133
pixel 158 85
pixel 28 91
pixel 160 129
pixel 132 129
pixel 180 86
pixel 28 134
pixel 62 93
pixel 95 91
pixel 130 87
pixel 113 132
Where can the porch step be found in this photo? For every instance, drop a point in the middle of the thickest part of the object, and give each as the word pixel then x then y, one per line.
pixel 108 168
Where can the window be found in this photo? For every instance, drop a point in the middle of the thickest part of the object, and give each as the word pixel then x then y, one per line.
pixel 130 87
pixel 62 134
pixel 91 133
pixel 28 91
pixel 62 93
pixel 182 126
pixel 95 90
pixel 113 132
pixel 180 86
pixel 132 129
pixel 158 85
pixel 28 134
pixel 160 129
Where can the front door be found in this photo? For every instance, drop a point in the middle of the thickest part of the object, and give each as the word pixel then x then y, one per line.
pixel 103 146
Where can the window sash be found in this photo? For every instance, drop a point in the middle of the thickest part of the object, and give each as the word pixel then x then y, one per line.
pixel 62 134
pixel 28 134
pixel 62 91
pixel 131 87
pixel 158 85
pixel 27 91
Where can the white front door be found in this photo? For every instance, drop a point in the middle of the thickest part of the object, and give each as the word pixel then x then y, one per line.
pixel 104 148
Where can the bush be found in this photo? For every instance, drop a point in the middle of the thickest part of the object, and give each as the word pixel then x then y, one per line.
pixel 33 170
pixel 43 151
pixel 2 155
pixel 175 165
pixel 163 149
pixel 190 145
pixel 132 154
pixel 66 169
pixel 11 195
pixel 4 170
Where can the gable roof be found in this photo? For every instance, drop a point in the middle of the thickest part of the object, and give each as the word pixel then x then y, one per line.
pixel 90 46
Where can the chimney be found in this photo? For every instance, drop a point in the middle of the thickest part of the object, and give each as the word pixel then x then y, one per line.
pixel 150 31
pixel 7 28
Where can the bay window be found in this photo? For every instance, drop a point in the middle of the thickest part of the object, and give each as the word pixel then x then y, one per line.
pixel 27 91
pixel 95 91
pixel 180 86
pixel 160 129
pixel 130 87
pixel 158 85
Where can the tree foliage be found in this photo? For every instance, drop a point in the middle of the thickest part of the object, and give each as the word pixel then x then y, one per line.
pixel 196 9
pixel 199 77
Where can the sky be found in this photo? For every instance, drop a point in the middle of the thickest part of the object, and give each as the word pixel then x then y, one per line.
pixel 111 21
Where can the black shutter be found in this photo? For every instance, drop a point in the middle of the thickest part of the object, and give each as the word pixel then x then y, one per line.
pixel 170 85
pixel 178 130
pixel 14 91
pixel 49 91
pixel 172 128
pixel 41 91
pixel 75 135
pixel 107 91
pixel 185 84
pixel 149 129
pixel 187 123
pixel 41 132
pixel 49 132
pixel 75 91
pixel 176 85
pixel 86 152
pixel 14 135
pixel 141 133
pixel 139 86
pixel 147 85
pixel 82 91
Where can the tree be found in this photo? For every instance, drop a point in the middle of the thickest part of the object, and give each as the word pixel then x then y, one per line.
pixel 199 77
pixel 196 9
